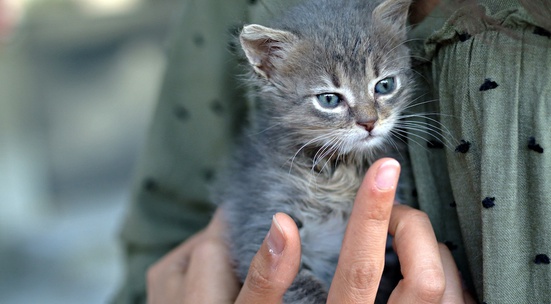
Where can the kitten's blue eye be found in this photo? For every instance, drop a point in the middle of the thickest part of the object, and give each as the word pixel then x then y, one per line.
pixel 385 86
pixel 329 101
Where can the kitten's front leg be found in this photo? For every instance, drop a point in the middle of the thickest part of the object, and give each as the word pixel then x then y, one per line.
pixel 306 289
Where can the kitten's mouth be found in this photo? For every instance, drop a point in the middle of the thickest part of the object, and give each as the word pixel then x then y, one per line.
pixel 371 140
pixel 369 136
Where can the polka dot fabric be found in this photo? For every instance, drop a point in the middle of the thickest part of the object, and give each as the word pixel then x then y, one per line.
pixel 493 90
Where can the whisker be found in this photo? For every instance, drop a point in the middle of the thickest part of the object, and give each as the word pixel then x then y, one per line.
pixel 421 75
pixel 327 160
pixel 323 151
pixel 427 125
pixel 318 138
pixel 431 132
pixel 392 142
pixel 420 58
pixel 413 103
pixel 438 125
pixel 398 131
pixel 402 43
pixel 266 129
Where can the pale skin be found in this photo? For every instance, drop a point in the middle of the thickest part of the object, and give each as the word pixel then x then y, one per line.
pixel 200 271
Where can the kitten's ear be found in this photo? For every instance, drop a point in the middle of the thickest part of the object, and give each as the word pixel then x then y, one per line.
pixel 266 48
pixel 392 15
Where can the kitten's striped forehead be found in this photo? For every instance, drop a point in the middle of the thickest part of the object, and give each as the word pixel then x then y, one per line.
pixel 351 78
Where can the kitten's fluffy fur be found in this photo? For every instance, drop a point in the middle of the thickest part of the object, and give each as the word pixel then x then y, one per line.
pixel 299 156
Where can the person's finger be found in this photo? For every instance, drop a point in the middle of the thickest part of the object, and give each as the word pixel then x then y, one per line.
pixel 454 290
pixel 175 261
pixel 361 261
pixel 275 265
pixel 198 270
pixel 217 225
pixel 210 277
pixel 417 249
pixel 179 256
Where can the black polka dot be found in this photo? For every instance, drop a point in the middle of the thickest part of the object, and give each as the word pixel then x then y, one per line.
pixel 150 185
pixel 488 202
pixel 451 245
pixel 414 193
pixel 198 40
pixel 252 1
pixel 208 174
pixel 464 147
pixel 140 297
pixel 453 204
pixel 542 259
pixel 463 36
pixel 181 113
pixel 434 144
pixel 532 145
pixel 542 32
pixel 217 107
pixel 488 85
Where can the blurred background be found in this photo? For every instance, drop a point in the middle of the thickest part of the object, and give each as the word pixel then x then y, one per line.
pixel 78 83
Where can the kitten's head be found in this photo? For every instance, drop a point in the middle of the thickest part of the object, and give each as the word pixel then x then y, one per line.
pixel 333 74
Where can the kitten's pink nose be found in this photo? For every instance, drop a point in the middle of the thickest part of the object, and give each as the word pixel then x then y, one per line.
pixel 367 125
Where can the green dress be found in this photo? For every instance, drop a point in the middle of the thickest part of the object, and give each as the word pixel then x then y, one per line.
pixel 482 176
pixel 487 192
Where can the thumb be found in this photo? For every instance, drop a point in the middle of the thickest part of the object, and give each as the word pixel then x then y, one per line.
pixel 275 265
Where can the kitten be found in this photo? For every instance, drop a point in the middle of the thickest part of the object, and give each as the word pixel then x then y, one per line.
pixel 329 79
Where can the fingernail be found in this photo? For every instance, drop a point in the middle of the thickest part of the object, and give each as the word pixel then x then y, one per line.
pixel 387 175
pixel 276 239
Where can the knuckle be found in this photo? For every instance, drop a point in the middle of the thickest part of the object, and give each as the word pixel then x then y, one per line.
pixel 377 215
pixel 362 276
pixel 432 285
pixel 413 218
pixel 257 280
pixel 418 216
pixel 207 247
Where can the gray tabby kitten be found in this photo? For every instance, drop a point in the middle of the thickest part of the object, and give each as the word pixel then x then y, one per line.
pixel 329 79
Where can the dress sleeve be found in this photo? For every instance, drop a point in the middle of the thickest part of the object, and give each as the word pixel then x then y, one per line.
pixel 199 112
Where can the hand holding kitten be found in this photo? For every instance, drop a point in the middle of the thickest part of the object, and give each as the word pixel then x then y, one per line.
pixel 199 270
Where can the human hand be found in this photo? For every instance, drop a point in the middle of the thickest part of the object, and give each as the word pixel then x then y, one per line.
pixel 199 270
pixel 429 271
